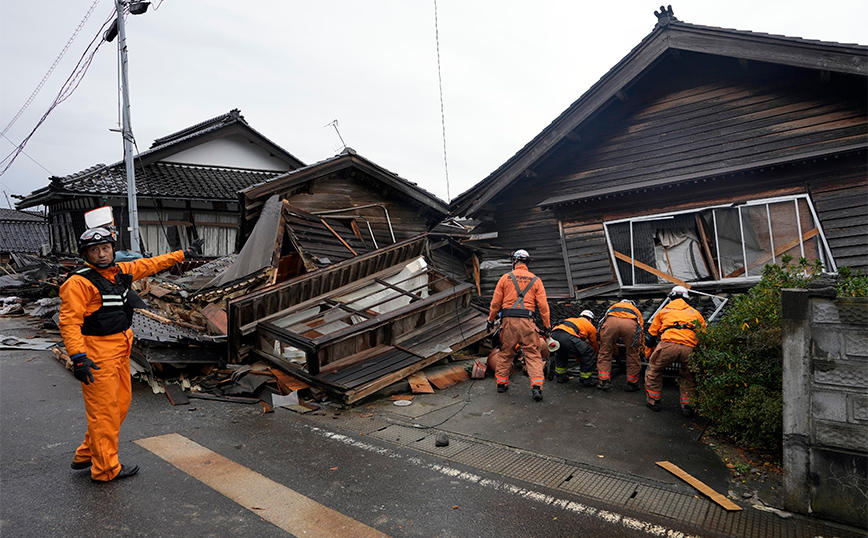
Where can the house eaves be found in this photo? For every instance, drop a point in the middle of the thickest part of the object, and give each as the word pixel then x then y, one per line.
pixel 671 35
pixel 649 186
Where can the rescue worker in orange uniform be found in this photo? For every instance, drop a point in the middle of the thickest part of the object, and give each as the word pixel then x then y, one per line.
pixel 622 320
pixel 577 337
pixel 676 326
pixel 95 318
pixel 517 295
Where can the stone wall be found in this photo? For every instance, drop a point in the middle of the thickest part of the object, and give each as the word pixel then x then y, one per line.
pixel 825 389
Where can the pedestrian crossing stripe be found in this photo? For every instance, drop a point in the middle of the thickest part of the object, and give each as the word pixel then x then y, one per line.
pixel 274 502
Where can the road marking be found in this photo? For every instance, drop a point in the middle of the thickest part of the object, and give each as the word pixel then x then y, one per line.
pixel 613 518
pixel 276 503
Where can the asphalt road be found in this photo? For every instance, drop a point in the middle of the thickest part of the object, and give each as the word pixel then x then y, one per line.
pixel 290 474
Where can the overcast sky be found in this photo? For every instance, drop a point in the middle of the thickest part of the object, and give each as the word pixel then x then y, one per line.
pixel 292 67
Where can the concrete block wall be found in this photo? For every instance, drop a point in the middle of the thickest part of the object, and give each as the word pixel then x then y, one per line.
pixel 825 390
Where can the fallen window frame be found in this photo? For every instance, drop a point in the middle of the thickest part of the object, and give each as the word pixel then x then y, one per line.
pixel 812 239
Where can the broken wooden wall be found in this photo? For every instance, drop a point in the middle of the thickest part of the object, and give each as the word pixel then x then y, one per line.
pixel 245 312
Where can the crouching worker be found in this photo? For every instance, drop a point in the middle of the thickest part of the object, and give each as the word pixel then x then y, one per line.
pixel 95 318
pixel 622 321
pixel 675 325
pixel 577 337
pixel 517 295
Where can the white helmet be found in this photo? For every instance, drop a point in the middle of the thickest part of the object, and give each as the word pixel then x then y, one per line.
pixel 520 255
pixel 679 291
pixel 587 314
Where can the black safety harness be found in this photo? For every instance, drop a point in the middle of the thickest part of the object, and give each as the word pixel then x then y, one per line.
pixel 679 326
pixel 626 310
pixel 118 303
pixel 519 312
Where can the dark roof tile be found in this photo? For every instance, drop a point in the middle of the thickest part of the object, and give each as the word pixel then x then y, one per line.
pixel 167 179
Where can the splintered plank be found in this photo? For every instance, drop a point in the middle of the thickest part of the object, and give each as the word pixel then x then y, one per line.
pixel 446 377
pixel 700 485
pixel 216 316
pixel 419 384
pixel 176 394
pixel 286 382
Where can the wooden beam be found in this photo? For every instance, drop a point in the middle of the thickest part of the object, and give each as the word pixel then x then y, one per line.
pixel 706 248
pixel 326 224
pixel 476 274
pixel 700 485
pixel 650 269
pixel 780 250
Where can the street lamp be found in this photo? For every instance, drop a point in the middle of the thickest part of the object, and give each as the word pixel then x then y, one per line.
pixel 118 29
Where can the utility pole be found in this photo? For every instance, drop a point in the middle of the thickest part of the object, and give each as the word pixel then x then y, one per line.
pixel 132 204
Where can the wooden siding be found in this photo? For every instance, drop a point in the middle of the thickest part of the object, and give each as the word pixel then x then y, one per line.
pixel 522 225
pixel 844 214
pixel 679 126
pixel 341 193
pixel 588 254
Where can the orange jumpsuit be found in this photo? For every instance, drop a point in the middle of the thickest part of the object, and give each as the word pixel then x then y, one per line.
pixel 623 321
pixel 107 399
pixel 578 337
pixel 520 331
pixel 676 344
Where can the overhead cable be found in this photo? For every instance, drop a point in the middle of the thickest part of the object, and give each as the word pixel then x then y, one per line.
pixel 51 69
pixel 71 84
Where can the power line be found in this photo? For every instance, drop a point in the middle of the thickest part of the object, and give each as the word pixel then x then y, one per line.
pixel 51 69
pixel 442 111
pixel 26 155
pixel 71 84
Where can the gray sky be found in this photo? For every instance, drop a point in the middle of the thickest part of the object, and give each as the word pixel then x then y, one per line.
pixel 508 69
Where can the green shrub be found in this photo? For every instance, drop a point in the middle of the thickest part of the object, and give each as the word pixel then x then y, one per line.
pixel 850 284
pixel 738 362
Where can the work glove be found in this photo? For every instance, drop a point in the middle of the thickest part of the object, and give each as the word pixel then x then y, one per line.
pixel 81 367
pixel 489 325
pixel 194 250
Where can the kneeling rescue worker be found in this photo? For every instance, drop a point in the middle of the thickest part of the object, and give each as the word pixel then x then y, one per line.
pixel 577 337
pixel 517 295
pixel 675 325
pixel 95 318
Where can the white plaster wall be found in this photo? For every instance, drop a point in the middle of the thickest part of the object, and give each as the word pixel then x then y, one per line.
pixel 231 151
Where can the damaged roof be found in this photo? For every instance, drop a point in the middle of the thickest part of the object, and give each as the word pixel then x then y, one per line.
pixel 668 37
pixel 298 180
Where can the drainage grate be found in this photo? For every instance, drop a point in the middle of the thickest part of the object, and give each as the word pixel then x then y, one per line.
pixel 634 493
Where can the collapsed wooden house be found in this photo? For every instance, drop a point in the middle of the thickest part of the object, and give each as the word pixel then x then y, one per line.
pixel 701 156
pixel 378 205
pixel 359 325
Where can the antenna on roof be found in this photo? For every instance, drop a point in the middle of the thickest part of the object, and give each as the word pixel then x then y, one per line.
pixel 343 144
